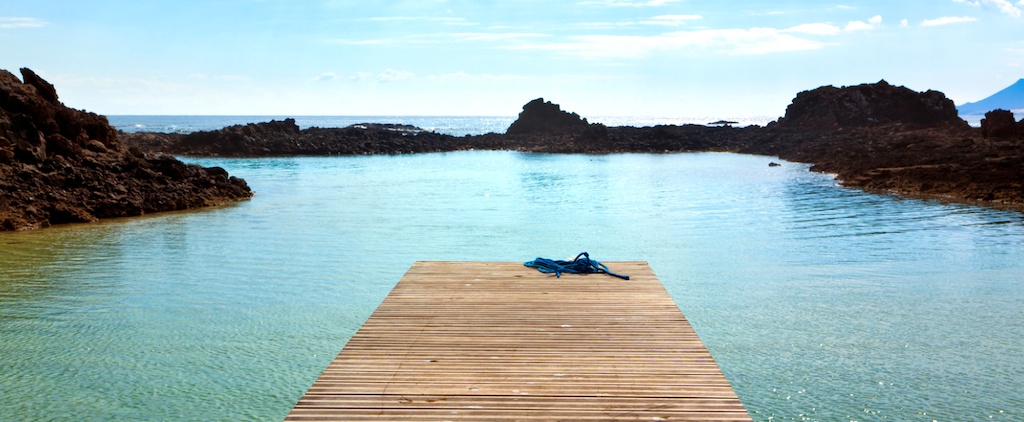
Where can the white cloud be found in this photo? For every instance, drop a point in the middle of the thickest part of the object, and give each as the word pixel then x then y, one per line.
pixel 877 20
pixel 603 25
pixel 9 23
pixel 480 36
pixel 463 76
pixel 454 21
pixel 726 41
pixel 947 20
pixel 904 23
pixel 858 26
pixel 326 76
pixel 359 76
pixel 1003 6
pixel 814 28
pixel 844 7
pixel 360 42
pixel 394 75
pixel 671 20
pixel 628 2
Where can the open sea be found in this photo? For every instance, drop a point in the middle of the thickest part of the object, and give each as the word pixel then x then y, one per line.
pixel 820 303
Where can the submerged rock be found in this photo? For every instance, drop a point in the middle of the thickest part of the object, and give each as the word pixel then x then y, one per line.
pixel 61 165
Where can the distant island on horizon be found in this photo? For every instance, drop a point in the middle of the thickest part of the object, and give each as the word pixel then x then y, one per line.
pixel 1011 98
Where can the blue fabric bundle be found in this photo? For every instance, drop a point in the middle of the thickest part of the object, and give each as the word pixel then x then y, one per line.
pixel 581 265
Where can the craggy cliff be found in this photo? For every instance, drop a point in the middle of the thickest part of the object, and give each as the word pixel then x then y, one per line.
pixel 874 136
pixel 61 165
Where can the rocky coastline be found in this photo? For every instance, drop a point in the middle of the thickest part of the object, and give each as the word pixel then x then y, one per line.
pixel 876 137
pixel 61 165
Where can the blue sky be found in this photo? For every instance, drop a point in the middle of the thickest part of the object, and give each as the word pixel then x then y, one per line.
pixel 454 57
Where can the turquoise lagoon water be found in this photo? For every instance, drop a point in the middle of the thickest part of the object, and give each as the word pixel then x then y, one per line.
pixel 818 302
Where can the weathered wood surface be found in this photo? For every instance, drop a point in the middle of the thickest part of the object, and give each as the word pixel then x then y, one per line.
pixel 496 341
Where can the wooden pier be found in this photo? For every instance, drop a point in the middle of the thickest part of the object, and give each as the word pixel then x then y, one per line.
pixel 497 341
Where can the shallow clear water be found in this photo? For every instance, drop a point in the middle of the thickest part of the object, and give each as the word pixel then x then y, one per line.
pixel 818 302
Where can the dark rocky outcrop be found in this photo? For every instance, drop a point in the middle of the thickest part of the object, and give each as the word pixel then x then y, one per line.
pixel 539 117
pixel 61 165
pixel 829 108
pixel 1001 124
pixel 277 138
pixel 875 137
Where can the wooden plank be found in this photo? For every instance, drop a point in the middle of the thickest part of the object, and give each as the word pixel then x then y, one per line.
pixel 496 341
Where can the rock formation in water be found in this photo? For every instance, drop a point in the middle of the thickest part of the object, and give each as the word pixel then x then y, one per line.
pixel 279 138
pixel 1001 124
pixel 874 136
pixel 829 108
pixel 539 117
pixel 61 165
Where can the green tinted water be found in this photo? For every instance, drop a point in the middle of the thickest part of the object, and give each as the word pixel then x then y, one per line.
pixel 818 302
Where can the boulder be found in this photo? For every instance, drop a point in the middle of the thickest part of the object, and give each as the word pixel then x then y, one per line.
pixel 1001 124
pixel 539 117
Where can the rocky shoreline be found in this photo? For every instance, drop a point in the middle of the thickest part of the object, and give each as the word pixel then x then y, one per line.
pixel 873 136
pixel 61 165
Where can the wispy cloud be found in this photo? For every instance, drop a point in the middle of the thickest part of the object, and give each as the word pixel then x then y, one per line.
pixel 947 20
pixel 463 76
pixel 225 78
pixel 861 26
pixel 815 29
pixel 453 21
pixel 845 7
pixel 724 41
pixel 447 38
pixel 394 75
pixel 359 76
pixel 602 25
pixel 360 42
pixel 10 23
pixel 1003 6
pixel 324 77
pixel 671 20
pixel 628 2
pixel 487 36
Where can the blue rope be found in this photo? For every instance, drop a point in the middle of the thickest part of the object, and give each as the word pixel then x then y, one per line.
pixel 581 265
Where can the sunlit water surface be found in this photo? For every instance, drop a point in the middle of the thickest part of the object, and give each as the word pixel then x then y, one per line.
pixel 818 302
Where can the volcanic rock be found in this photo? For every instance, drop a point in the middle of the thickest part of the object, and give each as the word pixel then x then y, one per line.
pixel 1001 124
pixel 61 165
pixel 829 108
pixel 874 137
pixel 545 117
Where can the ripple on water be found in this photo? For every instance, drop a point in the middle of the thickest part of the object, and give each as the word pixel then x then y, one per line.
pixel 818 301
